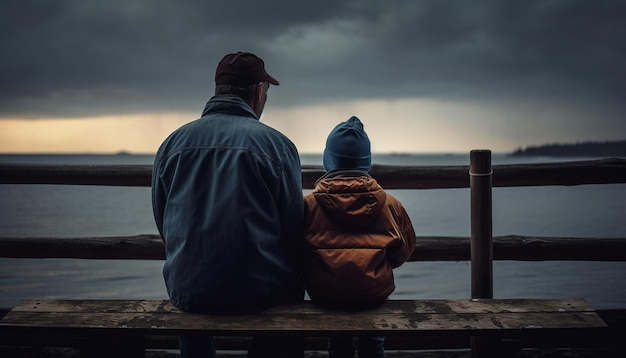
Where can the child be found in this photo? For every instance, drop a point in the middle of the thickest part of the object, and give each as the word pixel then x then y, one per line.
pixel 356 234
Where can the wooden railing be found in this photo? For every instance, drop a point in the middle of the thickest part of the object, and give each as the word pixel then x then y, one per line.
pixel 429 248
pixel 480 248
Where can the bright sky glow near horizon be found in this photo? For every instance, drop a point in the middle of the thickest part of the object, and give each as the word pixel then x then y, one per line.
pixel 424 76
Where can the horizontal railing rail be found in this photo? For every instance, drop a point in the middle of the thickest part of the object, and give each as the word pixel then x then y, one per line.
pixel 429 248
pixel 601 171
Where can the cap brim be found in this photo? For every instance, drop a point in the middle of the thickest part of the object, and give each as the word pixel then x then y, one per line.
pixel 272 80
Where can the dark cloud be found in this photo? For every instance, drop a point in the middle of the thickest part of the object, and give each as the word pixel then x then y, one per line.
pixel 73 58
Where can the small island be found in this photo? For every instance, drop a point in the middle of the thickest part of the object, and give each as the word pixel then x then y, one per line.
pixel 583 149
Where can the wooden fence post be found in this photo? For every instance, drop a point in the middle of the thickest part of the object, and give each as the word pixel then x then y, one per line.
pixel 481 240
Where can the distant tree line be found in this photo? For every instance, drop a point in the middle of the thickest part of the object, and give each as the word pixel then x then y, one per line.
pixel 584 149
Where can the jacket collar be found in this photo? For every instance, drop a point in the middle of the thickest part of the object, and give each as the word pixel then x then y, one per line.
pixel 230 104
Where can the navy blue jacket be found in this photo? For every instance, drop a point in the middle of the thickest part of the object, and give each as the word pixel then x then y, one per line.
pixel 227 200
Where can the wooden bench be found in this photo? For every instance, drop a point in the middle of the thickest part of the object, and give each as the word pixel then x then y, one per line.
pixel 109 325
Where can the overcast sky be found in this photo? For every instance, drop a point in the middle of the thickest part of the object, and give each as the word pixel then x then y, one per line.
pixel 424 76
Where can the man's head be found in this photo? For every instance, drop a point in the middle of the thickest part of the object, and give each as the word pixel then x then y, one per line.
pixel 243 74
pixel 348 147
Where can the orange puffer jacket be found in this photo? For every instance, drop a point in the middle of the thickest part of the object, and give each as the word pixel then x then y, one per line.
pixel 356 234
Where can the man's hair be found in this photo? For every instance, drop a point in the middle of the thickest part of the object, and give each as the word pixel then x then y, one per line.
pixel 245 92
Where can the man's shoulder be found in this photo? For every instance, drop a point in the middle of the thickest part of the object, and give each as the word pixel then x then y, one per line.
pixel 274 136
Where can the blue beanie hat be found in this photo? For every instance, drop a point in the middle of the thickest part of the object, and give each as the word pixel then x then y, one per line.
pixel 348 147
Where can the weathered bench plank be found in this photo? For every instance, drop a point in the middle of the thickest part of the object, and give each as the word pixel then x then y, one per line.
pixel 500 317
pixel 392 306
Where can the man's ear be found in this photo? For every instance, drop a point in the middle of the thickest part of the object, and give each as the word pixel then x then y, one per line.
pixel 258 101
pixel 258 94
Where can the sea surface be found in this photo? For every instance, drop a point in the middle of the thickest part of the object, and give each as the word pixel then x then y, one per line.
pixel 81 211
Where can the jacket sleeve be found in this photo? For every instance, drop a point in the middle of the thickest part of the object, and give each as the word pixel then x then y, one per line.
pixel 399 252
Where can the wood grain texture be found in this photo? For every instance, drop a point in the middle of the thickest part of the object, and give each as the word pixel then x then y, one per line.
pixel 507 317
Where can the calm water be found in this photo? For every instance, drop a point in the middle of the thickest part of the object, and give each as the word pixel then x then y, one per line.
pixel 75 211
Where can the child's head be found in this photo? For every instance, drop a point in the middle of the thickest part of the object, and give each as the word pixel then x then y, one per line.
pixel 348 147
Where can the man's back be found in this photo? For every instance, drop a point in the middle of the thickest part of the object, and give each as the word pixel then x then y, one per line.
pixel 228 202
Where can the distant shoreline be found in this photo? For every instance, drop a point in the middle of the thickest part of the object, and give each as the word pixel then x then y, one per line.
pixel 583 149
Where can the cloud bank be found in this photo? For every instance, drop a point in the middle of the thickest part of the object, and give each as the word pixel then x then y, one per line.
pixel 77 58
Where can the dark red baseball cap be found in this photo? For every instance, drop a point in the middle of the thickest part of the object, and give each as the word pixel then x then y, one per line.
pixel 242 69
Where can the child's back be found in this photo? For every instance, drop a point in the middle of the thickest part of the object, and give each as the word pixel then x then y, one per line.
pixel 357 234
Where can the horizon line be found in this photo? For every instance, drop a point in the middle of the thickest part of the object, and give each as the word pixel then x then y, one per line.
pixel 125 152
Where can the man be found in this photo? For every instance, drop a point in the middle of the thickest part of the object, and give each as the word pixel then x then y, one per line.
pixel 227 200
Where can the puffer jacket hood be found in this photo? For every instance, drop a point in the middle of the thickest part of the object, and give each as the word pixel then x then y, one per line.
pixel 353 200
